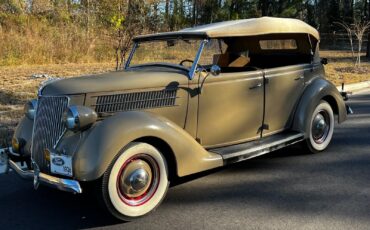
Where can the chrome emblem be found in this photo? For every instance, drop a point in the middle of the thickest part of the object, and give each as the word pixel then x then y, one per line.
pixel 58 161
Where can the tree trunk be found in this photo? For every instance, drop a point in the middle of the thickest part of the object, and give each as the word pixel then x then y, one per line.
pixel 348 11
pixel 194 12
pixel 117 58
pixel 88 18
pixel 368 46
pixel 264 6
pixel 167 13
pixel 182 15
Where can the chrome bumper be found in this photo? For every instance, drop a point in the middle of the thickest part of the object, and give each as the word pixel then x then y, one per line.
pixel 39 177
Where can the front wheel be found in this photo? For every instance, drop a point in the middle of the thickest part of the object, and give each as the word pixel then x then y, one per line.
pixel 321 128
pixel 136 182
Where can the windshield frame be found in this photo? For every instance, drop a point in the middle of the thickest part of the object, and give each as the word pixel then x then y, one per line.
pixel 191 71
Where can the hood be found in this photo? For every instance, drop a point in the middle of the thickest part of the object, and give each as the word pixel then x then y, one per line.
pixel 153 77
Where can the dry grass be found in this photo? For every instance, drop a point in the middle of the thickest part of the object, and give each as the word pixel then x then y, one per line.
pixel 341 67
pixel 26 39
pixel 17 86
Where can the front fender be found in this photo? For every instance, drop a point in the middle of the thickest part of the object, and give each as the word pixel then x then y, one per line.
pixel 106 139
pixel 318 89
pixel 24 132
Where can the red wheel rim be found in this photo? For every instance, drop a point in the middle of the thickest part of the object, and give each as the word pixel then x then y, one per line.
pixel 139 162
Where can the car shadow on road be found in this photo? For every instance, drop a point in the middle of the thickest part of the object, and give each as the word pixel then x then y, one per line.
pixel 37 209
pixel 46 208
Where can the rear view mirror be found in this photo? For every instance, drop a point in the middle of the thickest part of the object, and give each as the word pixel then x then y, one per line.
pixel 324 61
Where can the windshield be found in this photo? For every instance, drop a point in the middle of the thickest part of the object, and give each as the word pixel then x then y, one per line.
pixel 178 52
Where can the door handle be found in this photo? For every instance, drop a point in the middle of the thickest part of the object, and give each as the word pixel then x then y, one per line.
pixel 256 86
pixel 299 78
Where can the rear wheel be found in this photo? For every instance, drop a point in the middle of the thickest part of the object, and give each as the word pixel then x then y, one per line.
pixel 136 182
pixel 321 128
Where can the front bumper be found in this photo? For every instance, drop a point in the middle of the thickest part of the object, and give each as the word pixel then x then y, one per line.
pixel 39 177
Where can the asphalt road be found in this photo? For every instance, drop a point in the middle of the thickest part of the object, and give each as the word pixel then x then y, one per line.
pixel 282 190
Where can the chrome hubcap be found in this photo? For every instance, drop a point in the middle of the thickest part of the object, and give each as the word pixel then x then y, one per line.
pixel 320 127
pixel 138 180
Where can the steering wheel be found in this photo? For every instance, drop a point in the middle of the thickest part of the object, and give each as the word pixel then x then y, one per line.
pixel 254 67
pixel 186 60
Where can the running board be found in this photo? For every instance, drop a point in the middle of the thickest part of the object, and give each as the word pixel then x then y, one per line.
pixel 248 150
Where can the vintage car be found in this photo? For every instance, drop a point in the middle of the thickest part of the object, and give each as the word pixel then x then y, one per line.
pixel 186 102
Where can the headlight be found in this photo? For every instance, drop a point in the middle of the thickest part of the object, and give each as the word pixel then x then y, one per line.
pixel 79 117
pixel 30 109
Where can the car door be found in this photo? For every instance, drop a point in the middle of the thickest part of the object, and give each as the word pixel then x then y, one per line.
pixel 284 86
pixel 230 108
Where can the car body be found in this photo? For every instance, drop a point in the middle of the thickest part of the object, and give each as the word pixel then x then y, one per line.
pixel 250 87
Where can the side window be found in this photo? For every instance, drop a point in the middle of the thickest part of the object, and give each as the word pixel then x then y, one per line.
pixel 283 44
pixel 216 52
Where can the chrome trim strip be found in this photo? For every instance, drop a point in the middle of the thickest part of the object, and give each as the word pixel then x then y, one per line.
pixel 55 182
pixel 196 60
pixel 262 149
pixel 59 139
pixel 131 55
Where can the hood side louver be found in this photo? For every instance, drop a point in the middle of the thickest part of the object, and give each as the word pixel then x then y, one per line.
pixel 135 101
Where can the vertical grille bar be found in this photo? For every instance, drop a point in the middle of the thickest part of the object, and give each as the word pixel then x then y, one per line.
pixel 48 127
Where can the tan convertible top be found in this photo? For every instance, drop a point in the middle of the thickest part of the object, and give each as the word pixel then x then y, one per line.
pixel 244 27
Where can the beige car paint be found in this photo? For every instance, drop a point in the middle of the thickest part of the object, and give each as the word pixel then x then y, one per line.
pixel 228 109
pixel 231 108
pixel 117 81
pixel 97 151
pixel 283 91
pixel 176 113
pixel 244 27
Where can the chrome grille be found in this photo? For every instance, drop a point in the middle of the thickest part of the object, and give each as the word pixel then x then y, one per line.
pixel 135 101
pixel 48 127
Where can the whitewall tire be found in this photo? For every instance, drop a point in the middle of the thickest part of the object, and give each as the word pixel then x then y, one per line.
pixel 136 181
pixel 321 128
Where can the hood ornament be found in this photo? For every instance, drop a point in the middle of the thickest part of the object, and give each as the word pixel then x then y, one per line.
pixel 47 82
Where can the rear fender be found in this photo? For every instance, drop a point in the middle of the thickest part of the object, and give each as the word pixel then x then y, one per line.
pixel 318 89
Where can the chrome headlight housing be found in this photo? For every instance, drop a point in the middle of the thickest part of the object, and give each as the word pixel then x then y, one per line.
pixel 30 109
pixel 77 118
